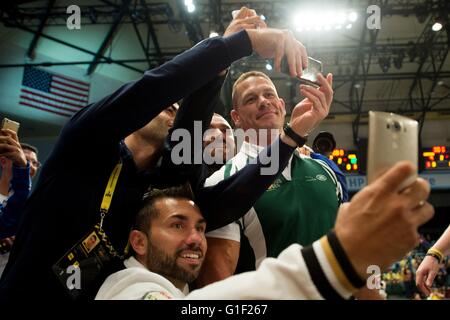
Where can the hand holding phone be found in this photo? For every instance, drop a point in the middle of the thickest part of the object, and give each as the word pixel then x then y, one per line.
pixel 11 125
pixel 309 75
pixel 9 143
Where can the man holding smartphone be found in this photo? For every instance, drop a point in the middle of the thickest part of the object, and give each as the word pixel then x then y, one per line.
pixel 301 205
pixel 116 132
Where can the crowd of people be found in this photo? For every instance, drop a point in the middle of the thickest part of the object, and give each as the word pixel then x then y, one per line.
pixel 121 209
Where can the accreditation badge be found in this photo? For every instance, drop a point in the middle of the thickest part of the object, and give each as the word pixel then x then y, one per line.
pixel 83 263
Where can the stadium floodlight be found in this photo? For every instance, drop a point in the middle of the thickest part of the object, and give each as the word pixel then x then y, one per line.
pixel 324 20
pixel 437 26
pixel 191 8
pixel 352 16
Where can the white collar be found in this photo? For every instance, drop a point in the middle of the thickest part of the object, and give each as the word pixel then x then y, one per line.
pixel 252 150
pixel 132 262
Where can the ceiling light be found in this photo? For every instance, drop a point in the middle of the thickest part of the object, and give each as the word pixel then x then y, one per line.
pixel 437 26
pixel 191 8
pixel 352 16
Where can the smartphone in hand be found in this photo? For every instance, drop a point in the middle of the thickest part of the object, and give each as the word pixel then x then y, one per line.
pixel 309 74
pixel 10 124
pixel 392 138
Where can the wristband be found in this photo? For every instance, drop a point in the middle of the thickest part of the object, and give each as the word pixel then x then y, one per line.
pixel 433 252
pixel 299 140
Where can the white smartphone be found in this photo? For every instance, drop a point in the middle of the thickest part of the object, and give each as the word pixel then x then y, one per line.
pixel 11 125
pixel 392 138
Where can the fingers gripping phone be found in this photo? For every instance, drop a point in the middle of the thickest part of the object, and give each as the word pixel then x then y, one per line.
pixel 392 138
pixel 309 74
pixel 11 125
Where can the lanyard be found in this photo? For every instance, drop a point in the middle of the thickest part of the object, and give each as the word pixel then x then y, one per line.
pixel 104 207
pixel 109 192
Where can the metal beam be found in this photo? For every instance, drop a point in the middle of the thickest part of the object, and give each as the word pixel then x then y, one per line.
pixel 438 56
pixel 191 29
pixel 108 38
pixel 37 35
pixel 275 10
pixel 68 63
pixel 141 42
pixel 151 31
pixel 24 28
pixel 354 95
pixel 216 15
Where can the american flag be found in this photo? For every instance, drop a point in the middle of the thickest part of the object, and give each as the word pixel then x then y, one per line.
pixel 53 93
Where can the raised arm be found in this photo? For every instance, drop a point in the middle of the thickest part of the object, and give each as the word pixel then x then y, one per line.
pixel 20 183
pixel 134 104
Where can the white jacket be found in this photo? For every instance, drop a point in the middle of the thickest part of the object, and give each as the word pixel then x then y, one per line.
pixel 312 272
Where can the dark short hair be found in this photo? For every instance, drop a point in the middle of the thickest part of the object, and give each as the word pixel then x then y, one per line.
pixel 148 211
pixel 26 146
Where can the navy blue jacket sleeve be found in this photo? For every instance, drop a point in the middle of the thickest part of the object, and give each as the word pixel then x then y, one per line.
pixel 231 198
pixel 106 122
pixel 11 213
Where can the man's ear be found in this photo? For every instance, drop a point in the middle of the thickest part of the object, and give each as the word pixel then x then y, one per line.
pixel 235 117
pixel 283 106
pixel 139 242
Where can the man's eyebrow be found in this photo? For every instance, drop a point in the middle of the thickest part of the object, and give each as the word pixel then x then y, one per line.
pixel 248 94
pixel 184 218
pixel 178 217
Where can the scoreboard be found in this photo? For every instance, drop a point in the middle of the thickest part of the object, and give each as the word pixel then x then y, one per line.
pixel 436 158
pixel 347 161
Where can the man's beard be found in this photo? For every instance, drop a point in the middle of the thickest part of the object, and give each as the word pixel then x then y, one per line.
pixel 160 262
